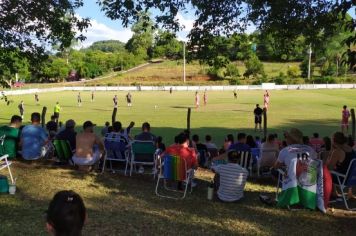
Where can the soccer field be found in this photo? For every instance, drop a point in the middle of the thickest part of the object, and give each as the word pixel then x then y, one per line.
pixel 309 110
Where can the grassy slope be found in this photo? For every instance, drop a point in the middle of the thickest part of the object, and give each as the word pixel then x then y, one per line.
pixel 122 205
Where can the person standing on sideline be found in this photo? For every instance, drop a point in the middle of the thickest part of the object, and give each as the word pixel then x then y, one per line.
pixel 79 99
pixel 37 100
pixel 205 98
pixel 115 101
pixel 197 99
pixel 92 96
pixel 266 97
pixel 128 99
pixel 57 109
pixel 258 117
pixel 21 107
pixel 170 90
pixel 345 120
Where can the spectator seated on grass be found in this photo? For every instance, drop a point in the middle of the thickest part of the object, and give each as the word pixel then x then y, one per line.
pixel 230 180
pixel 340 157
pixel 227 143
pixel 146 134
pixel 160 145
pixel 66 214
pixel 268 157
pixel 251 142
pixel 240 145
pixel 52 127
pixel 105 130
pixel 208 142
pixel 316 142
pixel 127 132
pixel 68 134
pixel 201 149
pixel 182 150
pixel 116 133
pixel 12 137
pixel 294 139
pixel 34 139
pixel 89 147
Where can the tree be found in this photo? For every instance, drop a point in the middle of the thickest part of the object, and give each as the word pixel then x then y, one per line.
pixel 142 39
pixel 254 66
pixel 29 27
pixel 167 45
pixel 285 19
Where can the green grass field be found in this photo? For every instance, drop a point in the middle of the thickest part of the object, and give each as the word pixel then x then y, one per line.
pixel 119 205
pixel 311 111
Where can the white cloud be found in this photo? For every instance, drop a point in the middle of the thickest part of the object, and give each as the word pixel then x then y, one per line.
pixel 99 31
pixel 187 23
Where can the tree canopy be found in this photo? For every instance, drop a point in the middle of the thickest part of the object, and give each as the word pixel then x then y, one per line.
pixel 285 19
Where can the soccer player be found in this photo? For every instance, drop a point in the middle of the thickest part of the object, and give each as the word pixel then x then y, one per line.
pixel 266 97
pixel 57 109
pixel 79 99
pixel 235 94
pixel 115 101
pixel 205 98
pixel 128 99
pixel 345 120
pixel 21 107
pixel 92 96
pixel 36 99
pixel 258 117
pixel 197 99
pixel 170 90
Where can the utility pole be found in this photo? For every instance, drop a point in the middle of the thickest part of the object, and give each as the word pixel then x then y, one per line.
pixel 183 61
pixel 309 66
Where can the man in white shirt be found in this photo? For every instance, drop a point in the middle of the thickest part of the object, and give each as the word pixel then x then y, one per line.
pixel 295 149
pixel 232 179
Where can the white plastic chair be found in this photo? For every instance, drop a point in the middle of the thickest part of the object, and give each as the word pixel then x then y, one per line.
pixel 113 152
pixel 4 163
pixel 346 180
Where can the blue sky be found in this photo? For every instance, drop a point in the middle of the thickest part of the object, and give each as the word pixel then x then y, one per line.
pixel 102 28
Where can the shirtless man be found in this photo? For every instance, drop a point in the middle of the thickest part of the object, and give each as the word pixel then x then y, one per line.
pixel 89 147
pixel 345 119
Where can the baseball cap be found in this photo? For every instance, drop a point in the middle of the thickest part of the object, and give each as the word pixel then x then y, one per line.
pixel 87 124
pixel 295 134
pixel 70 123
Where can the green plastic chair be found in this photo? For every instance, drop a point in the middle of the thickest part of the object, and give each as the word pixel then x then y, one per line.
pixel 63 150
pixel 142 152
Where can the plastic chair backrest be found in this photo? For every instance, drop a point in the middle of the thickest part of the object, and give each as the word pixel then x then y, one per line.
pixel 143 147
pixel 66 149
pixel 174 168
pixel 245 159
pixel 114 148
pixel 255 152
pixel 59 150
pixel 2 140
pixel 351 174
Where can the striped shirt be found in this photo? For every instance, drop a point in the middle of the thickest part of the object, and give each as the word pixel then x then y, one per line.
pixel 232 181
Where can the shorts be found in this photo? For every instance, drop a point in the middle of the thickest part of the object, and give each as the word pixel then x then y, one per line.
pixel 85 161
pixel 56 114
pixel 258 119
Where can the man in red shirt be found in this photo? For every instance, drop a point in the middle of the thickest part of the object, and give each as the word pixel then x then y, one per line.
pixel 182 150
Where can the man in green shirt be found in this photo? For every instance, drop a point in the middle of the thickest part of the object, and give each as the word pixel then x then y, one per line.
pixel 11 134
pixel 57 109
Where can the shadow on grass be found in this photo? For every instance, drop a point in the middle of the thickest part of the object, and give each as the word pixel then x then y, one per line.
pixel 128 205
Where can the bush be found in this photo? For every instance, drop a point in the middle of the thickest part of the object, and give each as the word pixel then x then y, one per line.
pixel 280 79
pixel 304 68
pixel 324 80
pixel 293 71
pixel 254 66
pixel 232 71
pixel 328 68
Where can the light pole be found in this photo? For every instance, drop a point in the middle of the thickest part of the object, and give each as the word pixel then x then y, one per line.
pixel 309 64
pixel 183 61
